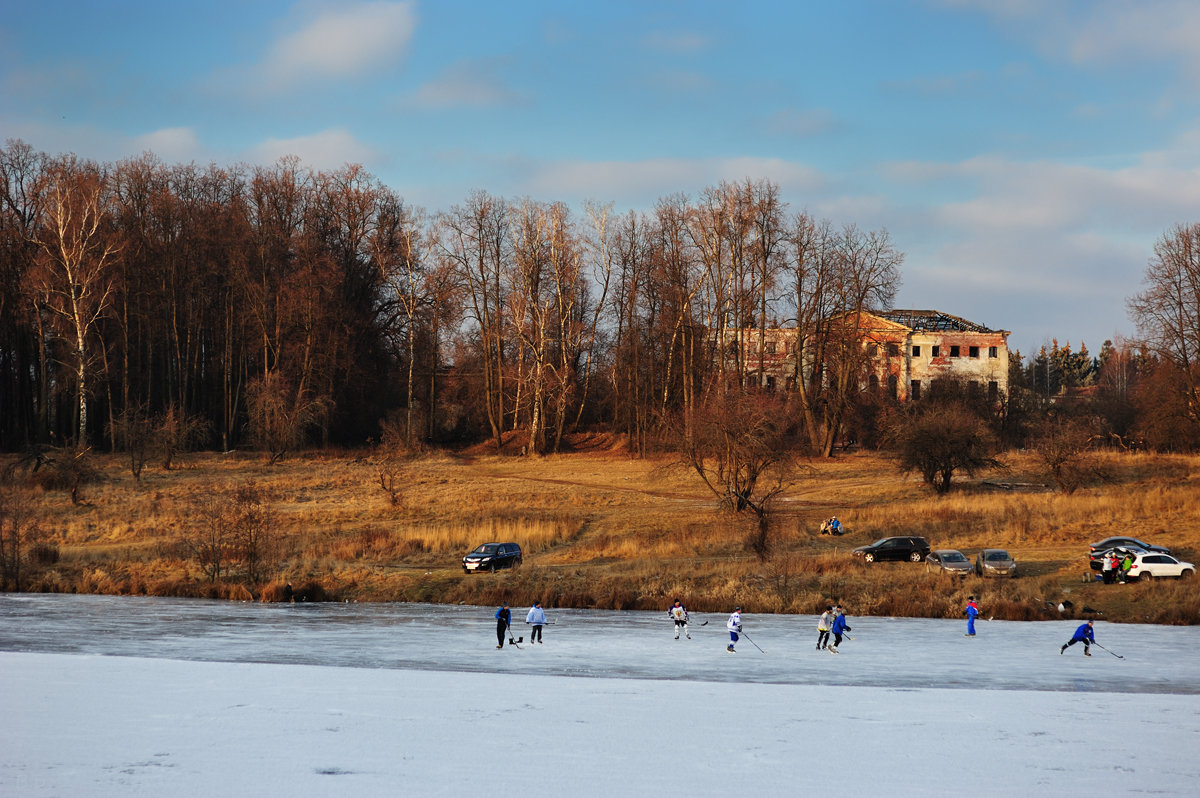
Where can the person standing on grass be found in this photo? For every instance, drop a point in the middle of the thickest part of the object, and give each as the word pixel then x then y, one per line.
pixel 1084 634
pixel 1108 568
pixel 503 621
pixel 972 612
pixel 679 614
pixel 839 626
pixel 734 625
pixel 537 618
pixel 823 627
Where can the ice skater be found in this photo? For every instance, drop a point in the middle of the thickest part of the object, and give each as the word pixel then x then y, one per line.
pixel 1084 634
pixel 734 625
pixel 972 612
pixel 537 618
pixel 823 628
pixel 839 626
pixel 503 621
pixel 679 614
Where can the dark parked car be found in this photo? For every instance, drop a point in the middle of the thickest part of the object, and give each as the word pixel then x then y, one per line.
pixel 491 556
pixel 1125 543
pixel 913 549
pixel 995 562
pixel 951 561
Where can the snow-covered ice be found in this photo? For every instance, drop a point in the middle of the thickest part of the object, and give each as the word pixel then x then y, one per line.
pixel 143 696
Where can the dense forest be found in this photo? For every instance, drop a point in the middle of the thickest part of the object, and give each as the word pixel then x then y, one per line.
pixel 281 307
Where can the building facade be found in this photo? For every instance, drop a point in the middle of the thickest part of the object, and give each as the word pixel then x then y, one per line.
pixel 908 353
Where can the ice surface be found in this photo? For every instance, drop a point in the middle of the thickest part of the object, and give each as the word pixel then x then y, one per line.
pixel 144 696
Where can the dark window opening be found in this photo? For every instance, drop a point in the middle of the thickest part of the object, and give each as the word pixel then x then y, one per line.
pixel 974 351
pixel 915 392
pixel 937 351
pixel 916 351
pixel 954 351
pixel 992 352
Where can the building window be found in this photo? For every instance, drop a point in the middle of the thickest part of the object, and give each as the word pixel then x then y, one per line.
pixel 992 352
pixel 936 351
pixel 954 351
pixel 873 383
pixel 974 351
pixel 993 389
pixel 770 383
pixel 893 350
pixel 893 385
pixel 916 351
pixel 915 392
pixel 770 346
pixel 872 350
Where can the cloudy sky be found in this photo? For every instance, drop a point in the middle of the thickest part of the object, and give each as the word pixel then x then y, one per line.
pixel 1025 155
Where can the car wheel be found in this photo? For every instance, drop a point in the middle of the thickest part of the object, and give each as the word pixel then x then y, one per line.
pixel 915 557
pixel 1149 577
pixel 1185 573
pixel 869 557
pixel 492 567
pixel 517 563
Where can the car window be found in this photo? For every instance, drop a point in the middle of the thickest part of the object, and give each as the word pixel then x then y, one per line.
pixel 1156 558
pixel 997 555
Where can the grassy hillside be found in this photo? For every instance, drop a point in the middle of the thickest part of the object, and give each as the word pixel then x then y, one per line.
pixel 602 530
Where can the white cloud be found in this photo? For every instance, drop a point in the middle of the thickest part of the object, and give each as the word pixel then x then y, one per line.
pixel 635 181
pixel 339 43
pixel 172 144
pixel 328 149
pixel 801 122
pixel 471 84
pixel 682 42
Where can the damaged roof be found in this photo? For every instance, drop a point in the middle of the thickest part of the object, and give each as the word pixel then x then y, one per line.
pixel 932 321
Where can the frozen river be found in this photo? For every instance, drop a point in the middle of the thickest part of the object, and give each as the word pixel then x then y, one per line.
pixel 145 696
pixel 885 652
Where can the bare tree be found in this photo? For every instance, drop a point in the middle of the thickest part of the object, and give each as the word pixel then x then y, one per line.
pixel 74 279
pixel 939 440
pixel 251 524
pixel 19 533
pixel 1167 312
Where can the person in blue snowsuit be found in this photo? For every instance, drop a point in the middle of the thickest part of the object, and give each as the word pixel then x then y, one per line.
pixel 839 626
pixel 972 612
pixel 1084 634
pixel 503 620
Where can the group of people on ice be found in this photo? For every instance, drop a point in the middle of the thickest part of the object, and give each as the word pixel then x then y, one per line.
pixel 831 623
pixel 536 618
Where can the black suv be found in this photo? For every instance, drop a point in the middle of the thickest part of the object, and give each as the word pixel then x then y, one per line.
pixel 913 549
pixel 491 556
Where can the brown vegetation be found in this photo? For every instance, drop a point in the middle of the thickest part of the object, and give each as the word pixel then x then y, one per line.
pixel 601 530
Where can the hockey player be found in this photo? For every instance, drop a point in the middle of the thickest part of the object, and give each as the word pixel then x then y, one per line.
pixel 679 614
pixel 1084 634
pixel 734 625
pixel 503 621
pixel 839 626
pixel 972 612
pixel 536 617
pixel 823 628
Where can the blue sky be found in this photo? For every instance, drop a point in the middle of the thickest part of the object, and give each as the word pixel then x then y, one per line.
pixel 1024 154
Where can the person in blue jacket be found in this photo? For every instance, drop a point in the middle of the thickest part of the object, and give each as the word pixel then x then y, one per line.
pixel 537 618
pixel 972 612
pixel 839 626
pixel 1084 634
pixel 503 621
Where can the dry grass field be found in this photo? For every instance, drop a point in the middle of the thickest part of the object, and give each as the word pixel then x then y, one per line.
pixel 601 530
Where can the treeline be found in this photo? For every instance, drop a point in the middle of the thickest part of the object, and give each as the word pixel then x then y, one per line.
pixel 279 307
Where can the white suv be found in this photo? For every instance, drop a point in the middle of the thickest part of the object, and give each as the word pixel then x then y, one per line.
pixel 1151 565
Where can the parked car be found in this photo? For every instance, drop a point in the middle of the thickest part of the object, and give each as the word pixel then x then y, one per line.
pixel 1097 557
pixel 952 561
pixel 913 549
pixel 995 562
pixel 1154 565
pixel 491 556
pixel 1126 543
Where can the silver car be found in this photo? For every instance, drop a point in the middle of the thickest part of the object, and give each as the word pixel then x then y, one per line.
pixel 995 562
pixel 951 561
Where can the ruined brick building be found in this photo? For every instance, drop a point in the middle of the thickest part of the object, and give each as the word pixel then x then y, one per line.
pixel 908 352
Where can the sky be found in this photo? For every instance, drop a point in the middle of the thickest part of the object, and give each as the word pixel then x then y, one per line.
pixel 1025 156
pixel 134 696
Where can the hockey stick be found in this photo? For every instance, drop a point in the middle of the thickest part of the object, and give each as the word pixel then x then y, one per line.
pixel 512 642
pixel 756 645
pixel 1118 656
